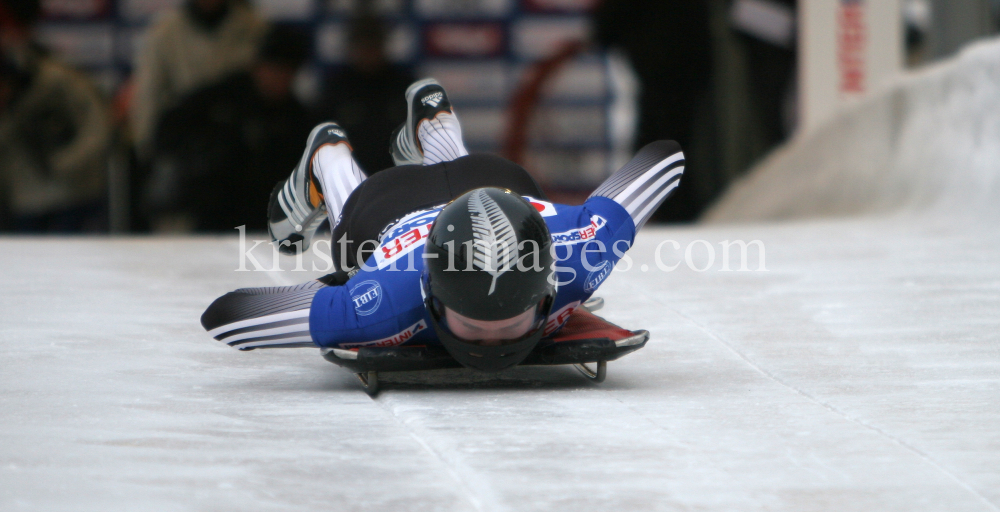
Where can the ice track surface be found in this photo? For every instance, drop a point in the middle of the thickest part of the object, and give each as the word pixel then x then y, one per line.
pixel 861 371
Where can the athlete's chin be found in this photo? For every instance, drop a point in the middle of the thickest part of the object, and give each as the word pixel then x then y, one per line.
pixel 489 343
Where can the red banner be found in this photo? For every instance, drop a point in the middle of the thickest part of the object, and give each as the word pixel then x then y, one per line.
pixel 465 39
pixel 852 40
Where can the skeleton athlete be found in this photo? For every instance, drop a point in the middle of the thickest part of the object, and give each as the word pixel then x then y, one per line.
pixel 445 248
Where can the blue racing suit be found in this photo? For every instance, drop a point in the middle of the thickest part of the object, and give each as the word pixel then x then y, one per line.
pixel 383 305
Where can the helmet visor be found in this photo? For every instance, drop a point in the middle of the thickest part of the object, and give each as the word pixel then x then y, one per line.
pixel 499 353
pixel 490 333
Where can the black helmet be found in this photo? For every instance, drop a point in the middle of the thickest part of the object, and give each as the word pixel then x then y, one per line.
pixel 488 258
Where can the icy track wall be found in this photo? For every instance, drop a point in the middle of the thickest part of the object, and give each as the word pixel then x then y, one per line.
pixel 929 143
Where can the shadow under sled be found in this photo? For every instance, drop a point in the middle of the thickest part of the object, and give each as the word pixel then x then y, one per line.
pixel 586 338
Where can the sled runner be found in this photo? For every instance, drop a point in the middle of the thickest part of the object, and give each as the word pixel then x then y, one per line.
pixel 585 339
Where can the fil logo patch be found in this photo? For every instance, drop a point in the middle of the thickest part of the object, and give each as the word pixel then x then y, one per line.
pixel 433 99
pixel 336 131
pixel 597 276
pixel 367 296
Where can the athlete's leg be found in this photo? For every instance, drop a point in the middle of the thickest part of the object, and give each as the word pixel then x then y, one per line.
pixel 317 189
pixel 431 133
pixel 338 175
pixel 275 317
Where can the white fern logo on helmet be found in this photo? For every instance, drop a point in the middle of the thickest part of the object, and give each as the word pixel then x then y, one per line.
pixel 494 242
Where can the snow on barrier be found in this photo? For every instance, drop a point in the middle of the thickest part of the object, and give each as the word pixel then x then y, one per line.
pixel 928 143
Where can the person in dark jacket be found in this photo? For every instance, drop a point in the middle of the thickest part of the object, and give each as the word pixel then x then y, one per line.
pixel 55 134
pixel 669 45
pixel 364 96
pixel 219 152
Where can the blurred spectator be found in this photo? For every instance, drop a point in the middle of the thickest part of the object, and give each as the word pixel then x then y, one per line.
pixel 917 21
pixel 669 46
pixel 219 152
pixel 55 133
pixel 366 97
pixel 194 45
